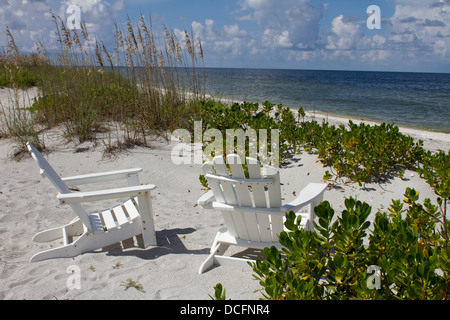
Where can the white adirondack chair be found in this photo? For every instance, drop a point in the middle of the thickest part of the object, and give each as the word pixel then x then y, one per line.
pixel 99 229
pixel 251 207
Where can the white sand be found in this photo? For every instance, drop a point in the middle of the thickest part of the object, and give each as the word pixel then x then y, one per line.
pixel 184 231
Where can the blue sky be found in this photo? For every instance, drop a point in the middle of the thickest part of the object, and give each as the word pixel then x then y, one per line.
pixel 293 34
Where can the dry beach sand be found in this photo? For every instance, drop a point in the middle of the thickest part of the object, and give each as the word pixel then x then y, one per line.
pixel 184 231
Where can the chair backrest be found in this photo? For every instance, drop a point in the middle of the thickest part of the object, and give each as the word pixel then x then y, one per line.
pixel 47 170
pixel 55 179
pixel 251 196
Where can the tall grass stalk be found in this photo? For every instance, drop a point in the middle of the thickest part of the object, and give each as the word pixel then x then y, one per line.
pixel 145 86
pixel 16 121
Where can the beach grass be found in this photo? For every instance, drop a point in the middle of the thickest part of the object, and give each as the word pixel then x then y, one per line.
pixel 83 89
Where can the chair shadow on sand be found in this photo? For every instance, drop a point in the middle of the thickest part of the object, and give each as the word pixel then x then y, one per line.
pixel 169 242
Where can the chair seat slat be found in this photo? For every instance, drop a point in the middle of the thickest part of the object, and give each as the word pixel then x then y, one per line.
pixel 96 222
pixel 108 219
pixel 120 215
pixel 131 209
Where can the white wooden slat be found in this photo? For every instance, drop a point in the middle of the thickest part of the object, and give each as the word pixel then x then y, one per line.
pixel 251 223
pixel 103 177
pixel 227 188
pixel 65 237
pixel 229 222
pixel 55 179
pixel 108 219
pixel 243 194
pixel 264 225
pixel 96 222
pixel 240 181
pixel 219 195
pixel 211 167
pixel 274 199
pixel 277 223
pixel 132 211
pixel 208 168
pixel 97 195
pixel 254 171
pixel 229 192
pixel 213 184
pixel 237 217
pixel 240 225
pixel 122 219
pixel 229 207
pixel 47 170
pixel 220 166
pixel 147 222
pixel 242 191
pixel 274 189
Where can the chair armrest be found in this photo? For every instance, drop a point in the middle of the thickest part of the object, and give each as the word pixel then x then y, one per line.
pixel 206 200
pixel 101 177
pixel 310 193
pixel 236 208
pixel 89 196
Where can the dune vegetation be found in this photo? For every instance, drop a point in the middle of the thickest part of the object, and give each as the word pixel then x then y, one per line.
pixel 139 89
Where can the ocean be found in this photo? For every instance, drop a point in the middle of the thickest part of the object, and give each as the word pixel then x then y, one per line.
pixel 416 100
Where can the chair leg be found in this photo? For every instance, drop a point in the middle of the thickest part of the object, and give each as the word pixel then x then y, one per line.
pixel 75 227
pixel 147 223
pixel 49 235
pixel 218 248
pixel 211 260
pixel 87 242
pixel 207 264
pixel 66 251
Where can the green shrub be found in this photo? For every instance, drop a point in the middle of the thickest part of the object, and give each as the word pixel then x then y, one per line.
pixel 436 171
pixel 22 79
pixel 362 152
pixel 219 293
pixel 407 255
pixel 250 115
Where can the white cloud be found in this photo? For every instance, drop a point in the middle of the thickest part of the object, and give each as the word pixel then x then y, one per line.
pixel 263 30
pixel 205 32
pixel 376 56
pixel 420 25
pixel 346 35
pixel 210 29
pixel 288 24
pixel 416 32
pixel 230 40
pixel 233 31
pixel 117 6
pixel 197 29
pixel 30 20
